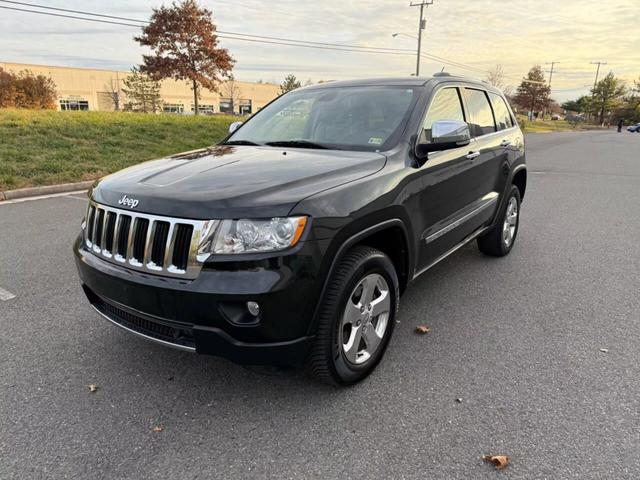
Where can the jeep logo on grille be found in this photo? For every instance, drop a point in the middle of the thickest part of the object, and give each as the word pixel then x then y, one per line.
pixel 128 202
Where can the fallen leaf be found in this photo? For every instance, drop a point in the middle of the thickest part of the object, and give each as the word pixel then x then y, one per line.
pixel 93 388
pixel 422 329
pixel 499 461
pixel 157 429
pixel 604 350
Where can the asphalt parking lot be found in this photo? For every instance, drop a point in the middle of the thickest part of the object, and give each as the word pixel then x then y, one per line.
pixel 519 340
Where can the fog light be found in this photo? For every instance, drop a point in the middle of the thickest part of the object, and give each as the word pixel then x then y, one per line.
pixel 254 308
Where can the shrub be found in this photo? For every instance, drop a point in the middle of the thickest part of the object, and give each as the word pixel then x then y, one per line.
pixel 26 90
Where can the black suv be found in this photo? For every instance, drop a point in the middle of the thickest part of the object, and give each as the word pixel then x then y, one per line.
pixel 290 242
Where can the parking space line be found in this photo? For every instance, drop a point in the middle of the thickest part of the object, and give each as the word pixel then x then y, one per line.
pixel 6 295
pixel 43 197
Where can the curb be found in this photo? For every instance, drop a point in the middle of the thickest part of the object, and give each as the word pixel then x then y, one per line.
pixel 46 190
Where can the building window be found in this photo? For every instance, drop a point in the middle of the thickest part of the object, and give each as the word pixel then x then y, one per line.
pixel 74 105
pixel 206 109
pixel 226 105
pixel 245 107
pixel 173 108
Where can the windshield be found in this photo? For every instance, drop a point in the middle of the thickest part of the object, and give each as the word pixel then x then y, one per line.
pixel 350 118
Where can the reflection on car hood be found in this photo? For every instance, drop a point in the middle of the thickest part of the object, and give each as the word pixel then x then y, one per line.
pixel 234 182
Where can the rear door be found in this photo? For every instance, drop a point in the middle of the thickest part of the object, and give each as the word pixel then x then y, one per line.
pixel 487 157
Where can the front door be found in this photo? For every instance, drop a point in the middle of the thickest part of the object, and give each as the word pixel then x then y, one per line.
pixel 459 194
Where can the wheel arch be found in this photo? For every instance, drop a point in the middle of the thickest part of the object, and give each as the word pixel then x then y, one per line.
pixel 520 179
pixel 383 236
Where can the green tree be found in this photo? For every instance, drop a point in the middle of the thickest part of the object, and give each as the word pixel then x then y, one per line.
pixel 607 95
pixel 533 92
pixel 581 105
pixel 633 102
pixel 290 83
pixel 143 93
pixel 184 44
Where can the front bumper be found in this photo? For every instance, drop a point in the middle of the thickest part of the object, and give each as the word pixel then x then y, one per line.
pixel 208 314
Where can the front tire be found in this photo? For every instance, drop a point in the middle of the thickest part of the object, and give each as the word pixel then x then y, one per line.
pixel 356 319
pixel 499 241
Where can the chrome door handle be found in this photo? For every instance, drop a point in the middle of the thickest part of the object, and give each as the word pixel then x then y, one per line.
pixel 472 155
pixel 505 143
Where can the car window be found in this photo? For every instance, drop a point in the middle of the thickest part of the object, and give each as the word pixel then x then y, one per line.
pixel 352 118
pixel 446 105
pixel 501 112
pixel 480 114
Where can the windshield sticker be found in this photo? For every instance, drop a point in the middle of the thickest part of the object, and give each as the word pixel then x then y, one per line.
pixel 375 141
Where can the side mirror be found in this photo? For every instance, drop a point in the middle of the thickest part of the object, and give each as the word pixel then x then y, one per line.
pixel 234 126
pixel 445 135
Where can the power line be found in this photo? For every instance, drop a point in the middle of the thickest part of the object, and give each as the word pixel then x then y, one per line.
pixel 127 19
pixel 226 36
pixel 242 36
pixel 453 63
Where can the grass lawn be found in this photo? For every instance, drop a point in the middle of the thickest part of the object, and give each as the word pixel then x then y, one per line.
pixel 546 126
pixel 49 147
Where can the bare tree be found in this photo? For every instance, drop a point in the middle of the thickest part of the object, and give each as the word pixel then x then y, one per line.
pixel 114 92
pixel 496 77
pixel 231 90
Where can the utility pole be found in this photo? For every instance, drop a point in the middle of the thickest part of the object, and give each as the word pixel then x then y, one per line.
pixel 553 64
pixel 421 25
pixel 597 71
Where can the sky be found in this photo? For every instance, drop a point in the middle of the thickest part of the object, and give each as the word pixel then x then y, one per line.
pixel 479 34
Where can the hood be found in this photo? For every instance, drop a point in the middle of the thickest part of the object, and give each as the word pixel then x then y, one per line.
pixel 233 181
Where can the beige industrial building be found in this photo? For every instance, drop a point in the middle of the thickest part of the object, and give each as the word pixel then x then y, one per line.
pixel 91 89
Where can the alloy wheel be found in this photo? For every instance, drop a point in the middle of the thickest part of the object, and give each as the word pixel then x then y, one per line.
pixel 510 222
pixel 365 319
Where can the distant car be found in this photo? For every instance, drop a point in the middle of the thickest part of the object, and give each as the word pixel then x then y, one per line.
pixel 555 116
pixel 634 128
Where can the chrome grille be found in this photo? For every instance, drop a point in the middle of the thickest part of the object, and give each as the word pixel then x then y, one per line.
pixel 154 244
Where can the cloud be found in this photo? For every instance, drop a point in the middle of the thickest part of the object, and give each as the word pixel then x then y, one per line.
pixel 478 34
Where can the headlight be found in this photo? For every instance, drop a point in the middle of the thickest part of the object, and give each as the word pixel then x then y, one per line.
pixel 250 236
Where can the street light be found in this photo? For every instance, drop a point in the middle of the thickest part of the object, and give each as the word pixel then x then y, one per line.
pixel 404 35
pixel 394 35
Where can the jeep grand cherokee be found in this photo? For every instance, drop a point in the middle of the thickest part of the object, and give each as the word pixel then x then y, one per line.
pixel 290 241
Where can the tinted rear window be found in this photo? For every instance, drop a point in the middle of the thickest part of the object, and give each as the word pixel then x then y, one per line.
pixel 501 112
pixel 480 114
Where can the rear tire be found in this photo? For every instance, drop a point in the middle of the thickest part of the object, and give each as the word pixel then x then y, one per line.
pixel 499 241
pixel 356 318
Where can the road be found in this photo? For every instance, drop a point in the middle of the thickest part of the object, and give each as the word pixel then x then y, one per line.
pixel 517 339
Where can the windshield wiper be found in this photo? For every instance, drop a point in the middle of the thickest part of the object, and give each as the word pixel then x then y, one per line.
pixel 240 142
pixel 297 143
